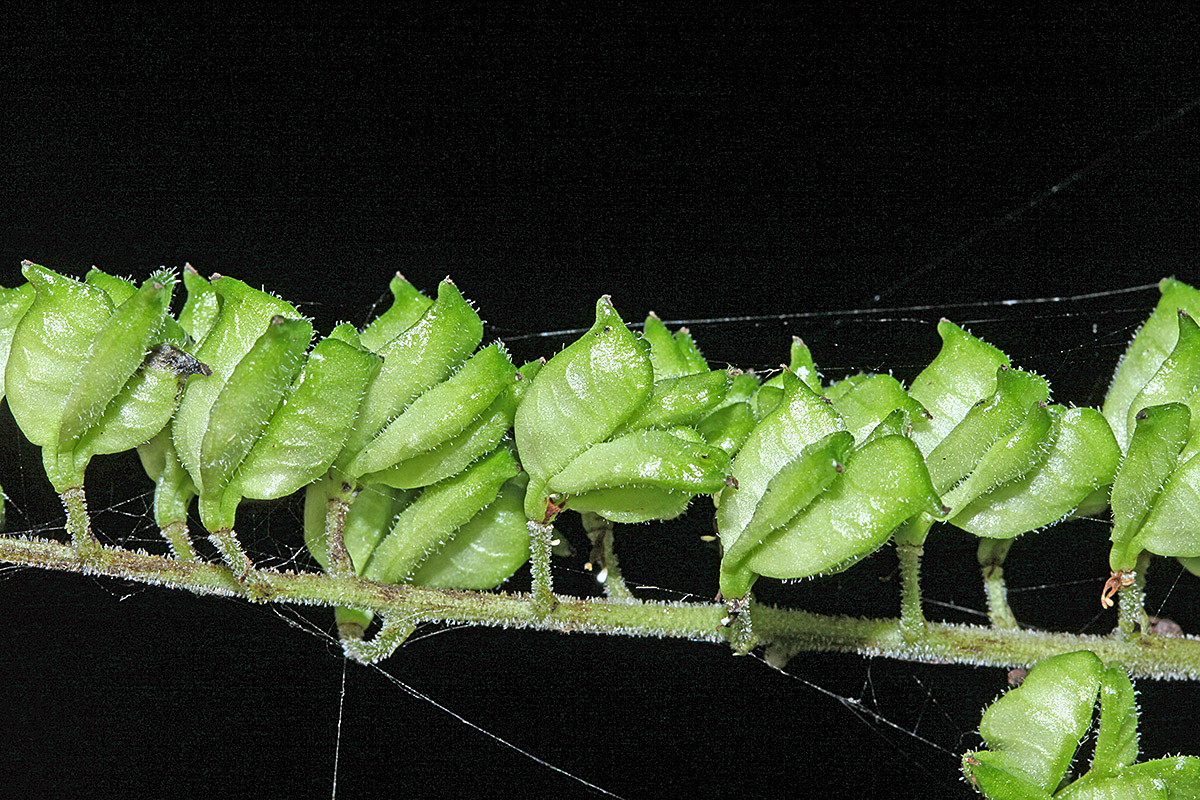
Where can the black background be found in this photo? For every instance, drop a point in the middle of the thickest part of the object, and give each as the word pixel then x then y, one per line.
pixel 700 160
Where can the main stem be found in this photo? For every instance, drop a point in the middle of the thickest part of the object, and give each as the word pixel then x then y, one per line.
pixel 785 632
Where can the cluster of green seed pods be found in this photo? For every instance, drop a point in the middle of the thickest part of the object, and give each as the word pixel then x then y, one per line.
pixel 1033 732
pixel 424 456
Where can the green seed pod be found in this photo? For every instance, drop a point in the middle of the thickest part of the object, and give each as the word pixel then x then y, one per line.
pixel 985 424
pixel 486 551
pixel 691 353
pixel 307 432
pixel 416 360
pixel 643 475
pixel 865 401
pixel 439 415
pixel 582 427
pixel 1145 355
pixel 1033 731
pixel 408 306
pixel 802 503
pixel 1081 460
pixel 456 453
pixel 173 487
pixel 1177 380
pixel 579 399
pixel 72 354
pixel 728 427
pixel 680 401
pixel 1153 496
pixel 666 357
pixel 203 305
pixel 245 315
pixel 962 374
pixel 13 305
pixel 431 520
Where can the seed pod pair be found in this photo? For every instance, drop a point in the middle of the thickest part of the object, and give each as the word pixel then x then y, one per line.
pixel 464 532
pixel 591 440
pixel 807 498
pixel 436 405
pixel 1033 732
pixel 1004 460
pixel 272 415
pixel 82 376
pixel 1153 496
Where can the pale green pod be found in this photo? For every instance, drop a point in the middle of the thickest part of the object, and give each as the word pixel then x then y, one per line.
pixel 487 550
pixel 962 374
pixel 1150 459
pixel 1081 460
pixel 428 523
pixel 307 432
pixel 677 462
pixel 984 424
pixel 72 355
pixel 666 357
pixel 691 353
pixel 1177 380
pixel 245 315
pixel 408 306
pixel 457 453
pixel 119 349
pixel 372 511
pixel 438 415
pixel 45 355
pixel 1008 459
pixel 1117 734
pixel 1033 731
pixel 173 487
pixel 791 490
pixel 864 401
pixel 256 387
pixel 578 399
pixel 202 307
pixel 13 305
pixel 419 358
pixel 884 483
pixel 680 401
pixel 1151 345
pixel 799 420
pixel 728 427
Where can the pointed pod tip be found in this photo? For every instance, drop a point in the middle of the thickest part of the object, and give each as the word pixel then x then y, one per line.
pixel 188 268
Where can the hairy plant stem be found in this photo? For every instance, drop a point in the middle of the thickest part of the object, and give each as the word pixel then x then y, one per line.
pixel 1132 620
pixel 910 546
pixel 786 632
pixel 540 537
pixel 991 555
pixel 337 506
pixel 603 557
pixel 79 523
pixel 394 631
pixel 239 563
pixel 176 534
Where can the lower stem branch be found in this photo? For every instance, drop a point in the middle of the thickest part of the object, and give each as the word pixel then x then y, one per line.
pixel 785 631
